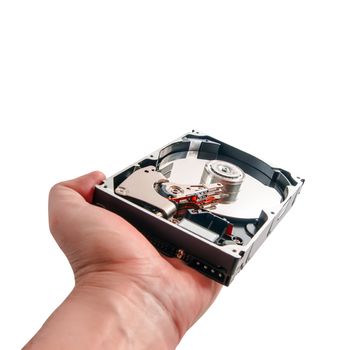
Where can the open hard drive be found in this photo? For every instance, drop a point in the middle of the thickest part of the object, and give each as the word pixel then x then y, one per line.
pixel 202 201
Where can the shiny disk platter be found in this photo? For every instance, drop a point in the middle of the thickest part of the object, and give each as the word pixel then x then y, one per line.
pixel 202 201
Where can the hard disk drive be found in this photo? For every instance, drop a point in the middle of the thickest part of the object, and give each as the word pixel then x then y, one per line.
pixel 203 201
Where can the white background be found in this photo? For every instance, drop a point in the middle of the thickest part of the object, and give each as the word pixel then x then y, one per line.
pixel 88 85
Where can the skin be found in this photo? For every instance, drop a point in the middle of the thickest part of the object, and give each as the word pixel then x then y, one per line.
pixel 126 295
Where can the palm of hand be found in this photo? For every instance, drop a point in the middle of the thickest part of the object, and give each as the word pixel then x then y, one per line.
pixel 104 248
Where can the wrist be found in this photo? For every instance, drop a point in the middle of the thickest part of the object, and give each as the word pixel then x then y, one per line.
pixel 134 316
pixel 97 316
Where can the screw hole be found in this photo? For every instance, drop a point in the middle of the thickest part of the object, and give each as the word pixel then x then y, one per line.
pixel 146 171
pixel 272 212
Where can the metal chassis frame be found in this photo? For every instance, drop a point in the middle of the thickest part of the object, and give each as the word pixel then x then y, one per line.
pixel 205 256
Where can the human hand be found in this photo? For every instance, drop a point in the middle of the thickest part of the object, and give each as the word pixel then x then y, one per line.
pixel 126 294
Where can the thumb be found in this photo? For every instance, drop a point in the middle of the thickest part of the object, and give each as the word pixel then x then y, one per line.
pixel 65 198
pixel 85 184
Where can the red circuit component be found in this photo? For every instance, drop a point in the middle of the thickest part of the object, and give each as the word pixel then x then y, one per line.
pixel 229 230
pixel 194 199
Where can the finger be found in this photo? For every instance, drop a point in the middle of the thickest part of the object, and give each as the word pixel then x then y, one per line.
pixel 65 197
pixel 85 184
